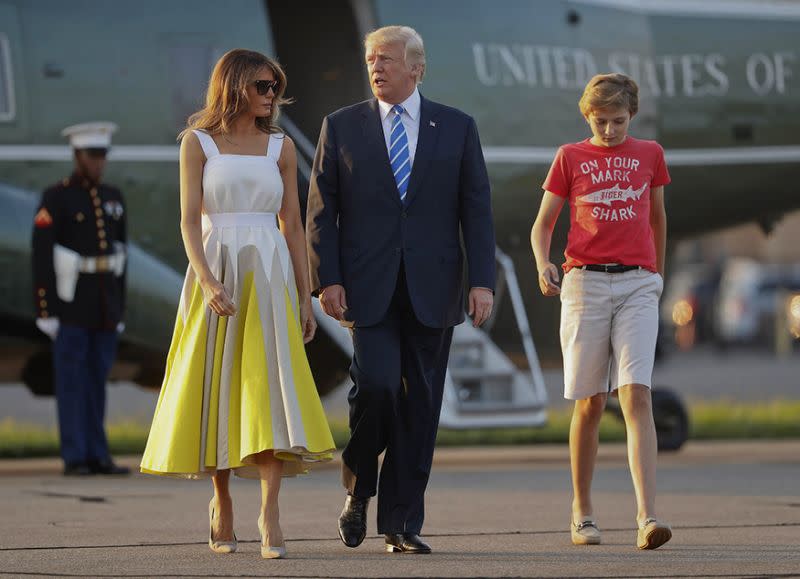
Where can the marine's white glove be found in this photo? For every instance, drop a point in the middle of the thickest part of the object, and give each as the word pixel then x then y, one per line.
pixel 120 327
pixel 48 326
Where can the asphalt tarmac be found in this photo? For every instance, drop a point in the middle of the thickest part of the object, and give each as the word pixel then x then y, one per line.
pixel 498 512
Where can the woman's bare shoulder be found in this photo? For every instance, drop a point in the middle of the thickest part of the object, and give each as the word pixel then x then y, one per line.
pixel 190 146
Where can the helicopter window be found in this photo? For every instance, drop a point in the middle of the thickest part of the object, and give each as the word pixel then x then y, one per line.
pixel 7 112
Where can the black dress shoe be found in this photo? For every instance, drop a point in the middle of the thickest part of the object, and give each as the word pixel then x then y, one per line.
pixel 107 467
pixel 406 543
pixel 353 521
pixel 77 469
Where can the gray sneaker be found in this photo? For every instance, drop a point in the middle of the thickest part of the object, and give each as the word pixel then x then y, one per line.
pixel 652 534
pixel 585 532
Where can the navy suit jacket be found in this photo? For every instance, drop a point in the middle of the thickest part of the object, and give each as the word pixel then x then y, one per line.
pixel 359 231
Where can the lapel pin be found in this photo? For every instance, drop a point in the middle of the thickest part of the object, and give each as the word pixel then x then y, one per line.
pixel 432 123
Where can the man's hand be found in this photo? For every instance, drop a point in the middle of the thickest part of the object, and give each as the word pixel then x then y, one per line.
pixel 307 321
pixel 481 301
pixel 48 326
pixel 333 301
pixel 548 280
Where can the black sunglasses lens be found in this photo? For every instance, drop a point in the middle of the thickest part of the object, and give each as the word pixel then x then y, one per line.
pixel 263 86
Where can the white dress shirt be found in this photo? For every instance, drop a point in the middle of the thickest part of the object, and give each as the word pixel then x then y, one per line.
pixel 409 118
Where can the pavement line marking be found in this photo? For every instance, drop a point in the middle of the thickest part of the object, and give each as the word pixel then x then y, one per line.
pixel 637 576
pixel 431 535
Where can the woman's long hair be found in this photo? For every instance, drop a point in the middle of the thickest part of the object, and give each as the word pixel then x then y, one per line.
pixel 226 97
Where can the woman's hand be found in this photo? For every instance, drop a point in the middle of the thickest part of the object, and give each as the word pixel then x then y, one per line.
pixel 307 321
pixel 548 280
pixel 217 297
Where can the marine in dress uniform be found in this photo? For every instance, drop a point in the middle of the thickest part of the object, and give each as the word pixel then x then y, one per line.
pixel 79 255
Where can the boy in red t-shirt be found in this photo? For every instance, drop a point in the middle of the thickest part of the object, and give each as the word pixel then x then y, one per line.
pixel 612 283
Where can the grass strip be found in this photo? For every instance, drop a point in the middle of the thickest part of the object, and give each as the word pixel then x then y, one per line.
pixel 709 421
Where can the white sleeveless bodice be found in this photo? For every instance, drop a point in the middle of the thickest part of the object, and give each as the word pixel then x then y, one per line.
pixel 241 183
pixel 242 195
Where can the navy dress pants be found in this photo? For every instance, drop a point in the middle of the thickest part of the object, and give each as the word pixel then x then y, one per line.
pixel 82 359
pixel 398 372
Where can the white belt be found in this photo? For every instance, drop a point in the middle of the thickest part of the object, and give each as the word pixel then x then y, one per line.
pixel 114 262
pixel 68 263
pixel 239 220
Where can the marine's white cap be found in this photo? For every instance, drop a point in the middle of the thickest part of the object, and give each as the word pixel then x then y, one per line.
pixel 90 135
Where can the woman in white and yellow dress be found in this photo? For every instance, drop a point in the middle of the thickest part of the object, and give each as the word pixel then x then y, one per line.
pixel 238 394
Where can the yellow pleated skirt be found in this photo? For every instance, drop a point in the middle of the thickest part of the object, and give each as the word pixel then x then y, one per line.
pixel 237 386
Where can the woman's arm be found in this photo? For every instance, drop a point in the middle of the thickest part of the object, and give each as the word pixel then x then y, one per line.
pixel 191 169
pixel 292 229
pixel 658 222
pixel 541 236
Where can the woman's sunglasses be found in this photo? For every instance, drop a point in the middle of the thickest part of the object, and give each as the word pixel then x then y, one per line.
pixel 263 86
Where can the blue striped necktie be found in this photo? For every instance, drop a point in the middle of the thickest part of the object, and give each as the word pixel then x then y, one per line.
pixel 398 153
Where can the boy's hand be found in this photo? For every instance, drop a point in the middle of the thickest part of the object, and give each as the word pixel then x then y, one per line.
pixel 549 280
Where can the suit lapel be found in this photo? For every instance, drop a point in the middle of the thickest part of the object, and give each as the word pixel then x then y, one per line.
pixel 426 145
pixel 376 145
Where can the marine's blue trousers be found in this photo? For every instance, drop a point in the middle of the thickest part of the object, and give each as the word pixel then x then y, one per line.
pixel 82 359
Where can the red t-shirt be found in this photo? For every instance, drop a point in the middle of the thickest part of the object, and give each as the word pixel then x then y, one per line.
pixel 609 200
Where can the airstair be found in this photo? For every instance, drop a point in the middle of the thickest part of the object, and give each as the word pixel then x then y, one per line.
pixel 484 388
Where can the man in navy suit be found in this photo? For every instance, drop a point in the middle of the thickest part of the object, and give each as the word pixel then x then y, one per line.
pixel 396 180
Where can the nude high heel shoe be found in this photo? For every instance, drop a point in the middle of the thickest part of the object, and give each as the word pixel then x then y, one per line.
pixel 218 546
pixel 268 552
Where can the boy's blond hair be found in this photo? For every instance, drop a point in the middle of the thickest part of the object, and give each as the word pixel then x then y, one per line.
pixel 609 91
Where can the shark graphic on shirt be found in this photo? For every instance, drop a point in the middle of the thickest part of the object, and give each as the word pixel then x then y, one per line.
pixel 615 193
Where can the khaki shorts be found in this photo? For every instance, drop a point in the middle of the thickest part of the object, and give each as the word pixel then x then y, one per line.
pixel 609 325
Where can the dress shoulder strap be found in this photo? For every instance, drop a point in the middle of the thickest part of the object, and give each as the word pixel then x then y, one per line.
pixel 209 146
pixel 275 145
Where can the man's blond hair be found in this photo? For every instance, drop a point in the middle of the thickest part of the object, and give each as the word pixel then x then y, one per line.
pixel 414 53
